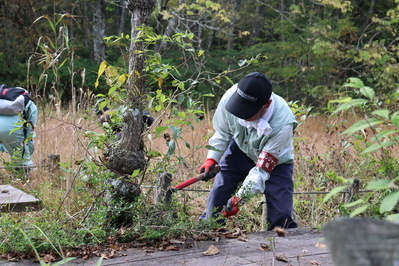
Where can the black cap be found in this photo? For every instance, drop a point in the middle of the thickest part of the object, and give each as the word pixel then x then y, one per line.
pixel 253 92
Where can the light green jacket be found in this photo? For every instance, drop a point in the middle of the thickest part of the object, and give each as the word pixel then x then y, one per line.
pixel 278 142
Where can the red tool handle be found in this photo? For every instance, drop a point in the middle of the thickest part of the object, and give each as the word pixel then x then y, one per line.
pixel 195 179
pixel 186 183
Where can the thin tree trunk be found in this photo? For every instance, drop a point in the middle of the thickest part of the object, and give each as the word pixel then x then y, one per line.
pixel 170 29
pixel 168 32
pixel 99 30
pixel 233 24
pixel 122 17
pixel 87 29
pixel 128 154
pixel 256 26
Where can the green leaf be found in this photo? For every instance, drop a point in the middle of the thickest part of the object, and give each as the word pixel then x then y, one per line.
pixel 358 210
pixel 209 147
pixel 159 130
pixel 175 131
pixel 343 100
pixel 362 124
pixel 389 202
pixel 354 83
pixel 351 204
pixel 187 145
pixel 135 172
pixel 379 145
pixel 352 103
pixel 382 113
pixel 229 80
pixel 395 119
pixel 333 192
pixel 368 92
pixel 112 90
pixel 172 147
pixel 379 184
pixel 383 134
pixel 394 218
pixel 182 114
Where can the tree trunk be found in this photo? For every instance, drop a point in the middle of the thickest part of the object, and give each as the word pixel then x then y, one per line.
pixel 168 32
pixel 128 154
pixel 233 24
pixel 170 29
pixel 99 30
pixel 257 25
pixel 87 29
pixel 122 18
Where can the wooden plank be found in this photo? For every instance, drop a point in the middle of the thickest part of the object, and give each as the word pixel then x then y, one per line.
pixel 15 200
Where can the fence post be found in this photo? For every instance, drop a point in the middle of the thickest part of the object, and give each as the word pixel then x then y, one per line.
pixel 264 213
pixel 163 194
pixel 353 190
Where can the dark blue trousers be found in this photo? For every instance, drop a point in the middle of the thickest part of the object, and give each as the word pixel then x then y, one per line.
pixel 235 166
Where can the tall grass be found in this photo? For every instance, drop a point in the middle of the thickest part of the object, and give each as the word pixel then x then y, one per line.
pixel 317 143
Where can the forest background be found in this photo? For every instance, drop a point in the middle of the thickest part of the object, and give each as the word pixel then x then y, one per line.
pixel 57 50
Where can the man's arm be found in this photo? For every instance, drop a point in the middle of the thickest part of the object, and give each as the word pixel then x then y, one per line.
pixel 222 136
pixel 275 147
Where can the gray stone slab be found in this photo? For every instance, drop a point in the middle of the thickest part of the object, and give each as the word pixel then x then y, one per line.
pixel 300 247
pixel 15 200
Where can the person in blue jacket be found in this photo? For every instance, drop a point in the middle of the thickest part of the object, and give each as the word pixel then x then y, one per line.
pixel 252 144
pixel 16 136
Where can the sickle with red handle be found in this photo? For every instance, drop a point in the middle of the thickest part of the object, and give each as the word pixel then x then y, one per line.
pixel 197 178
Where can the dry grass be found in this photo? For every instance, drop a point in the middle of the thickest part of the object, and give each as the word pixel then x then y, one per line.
pixel 319 149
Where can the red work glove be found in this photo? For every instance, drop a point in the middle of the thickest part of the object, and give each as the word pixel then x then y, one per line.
pixel 231 208
pixel 207 167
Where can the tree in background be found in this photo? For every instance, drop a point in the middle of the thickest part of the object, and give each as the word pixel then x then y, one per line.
pixel 128 154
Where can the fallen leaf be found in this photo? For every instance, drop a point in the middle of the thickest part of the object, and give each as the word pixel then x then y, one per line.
pixel 200 237
pixel 280 231
pixel 212 250
pixel 172 247
pixel 48 258
pixel 281 257
pixel 175 241
pixel 241 238
pixel 313 262
pixel 321 245
pixel 265 246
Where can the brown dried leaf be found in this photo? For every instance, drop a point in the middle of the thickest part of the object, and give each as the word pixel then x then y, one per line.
pixel 241 238
pixel 12 259
pixel 280 231
pixel 313 262
pixel 265 247
pixel 172 247
pixel 48 258
pixel 175 241
pixel 200 237
pixel 321 245
pixel 281 257
pixel 212 250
